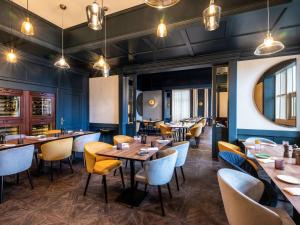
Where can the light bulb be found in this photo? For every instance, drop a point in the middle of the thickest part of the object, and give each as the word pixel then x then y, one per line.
pixel 62 64
pixel 106 69
pixel 162 30
pixel 11 57
pixel 268 41
pixel 212 9
pixel 27 27
pixel 100 63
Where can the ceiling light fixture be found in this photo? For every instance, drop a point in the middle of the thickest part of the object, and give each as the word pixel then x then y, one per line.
pixel 95 15
pixel 162 30
pixel 61 63
pixel 269 46
pixel 11 56
pixel 212 16
pixel 27 27
pixel 161 4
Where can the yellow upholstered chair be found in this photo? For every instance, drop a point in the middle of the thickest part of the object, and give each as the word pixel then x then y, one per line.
pixel 228 147
pixel 53 132
pixel 100 165
pixel 56 151
pixel 118 139
pixel 165 130
pixel 195 132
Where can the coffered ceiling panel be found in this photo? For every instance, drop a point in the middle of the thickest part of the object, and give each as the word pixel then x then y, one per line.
pixel 75 14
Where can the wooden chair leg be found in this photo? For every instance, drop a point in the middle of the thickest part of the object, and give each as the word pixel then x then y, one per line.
pixel 115 172
pixel 87 184
pixel 70 163
pixel 51 170
pixel 122 177
pixel 29 178
pixel 176 178
pixel 105 188
pixel 161 201
pixel 169 189
pixel 181 168
pixel 1 189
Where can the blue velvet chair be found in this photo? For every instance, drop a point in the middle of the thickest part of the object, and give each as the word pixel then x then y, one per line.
pixel 14 161
pixel 79 142
pixel 182 150
pixel 262 140
pixel 159 172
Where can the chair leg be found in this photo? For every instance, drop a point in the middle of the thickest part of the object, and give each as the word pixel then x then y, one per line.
pixel 51 170
pixel 83 157
pixel 142 164
pixel 29 178
pixel 169 189
pixel 115 172
pixel 181 168
pixel 60 166
pixel 36 160
pixel 41 165
pixel 70 163
pixel 87 184
pixel 1 189
pixel 105 188
pixel 145 187
pixel 17 178
pixel 122 177
pixel 161 201
pixel 126 163
pixel 136 185
pixel 176 178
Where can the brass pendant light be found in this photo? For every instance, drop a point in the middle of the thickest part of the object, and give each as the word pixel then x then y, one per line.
pixel 95 15
pixel 269 46
pixel 61 63
pixel 162 30
pixel 27 27
pixel 11 56
pixel 161 4
pixel 212 16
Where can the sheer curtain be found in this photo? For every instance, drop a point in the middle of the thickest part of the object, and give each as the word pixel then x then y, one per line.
pixel 180 104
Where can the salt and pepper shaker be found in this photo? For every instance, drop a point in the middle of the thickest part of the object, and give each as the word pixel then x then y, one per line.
pixel 297 156
pixel 286 153
pixel 294 150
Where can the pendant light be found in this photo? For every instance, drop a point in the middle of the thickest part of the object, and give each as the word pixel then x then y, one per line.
pixel 161 4
pixel 269 46
pixel 27 27
pixel 95 15
pixel 61 63
pixel 212 16
pixel 11 56
pixel 162 30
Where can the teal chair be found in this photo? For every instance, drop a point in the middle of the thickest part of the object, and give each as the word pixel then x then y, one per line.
pixel 79 142
pixel 159 172
pixel 14 161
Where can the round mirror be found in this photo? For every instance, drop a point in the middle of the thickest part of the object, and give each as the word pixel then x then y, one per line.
pixel 275 93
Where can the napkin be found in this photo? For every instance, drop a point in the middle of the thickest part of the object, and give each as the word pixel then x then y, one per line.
pixel 292 191
pixel 266 160
pixel 149 149
pixel 162 141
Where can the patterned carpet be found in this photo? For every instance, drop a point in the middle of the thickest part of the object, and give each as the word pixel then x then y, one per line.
pixel 62 201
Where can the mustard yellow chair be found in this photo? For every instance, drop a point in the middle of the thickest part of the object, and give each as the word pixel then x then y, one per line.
pixel 56 151
pixel 228 147
pixel 100 165
pixel 195 132
pixel 118 139
pixel 166 130
pixel 53 132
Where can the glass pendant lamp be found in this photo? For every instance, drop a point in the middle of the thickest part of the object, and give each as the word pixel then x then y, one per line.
pixel 99 64
pixel 11 56
pixel 161 4
pixel 61 63
pixel 27 27
pixel 95 15
pixel 269 46
pixel 162 30
pixel 212 16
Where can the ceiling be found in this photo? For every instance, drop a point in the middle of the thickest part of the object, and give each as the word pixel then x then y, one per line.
pixel 75 13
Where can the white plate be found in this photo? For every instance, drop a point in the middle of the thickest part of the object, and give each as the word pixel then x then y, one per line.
pixel 288 179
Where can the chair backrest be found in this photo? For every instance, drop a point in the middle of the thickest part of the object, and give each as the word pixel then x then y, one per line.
pixel 203 122
pixel 14 136
pixel 240 193
pixel 160 171
pixel 57 150
pixel 182 150
pixel 122 139
pixel 164 128
pixel 262 140
pixel 79 142
pixel 16 160
pixel 90 150
pixel 225 146
pixel 196 130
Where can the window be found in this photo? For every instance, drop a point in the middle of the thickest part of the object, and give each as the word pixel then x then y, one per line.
pixel 180 104
pixel 286 93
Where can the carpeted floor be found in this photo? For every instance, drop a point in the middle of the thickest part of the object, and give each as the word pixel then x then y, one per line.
pixel 62 201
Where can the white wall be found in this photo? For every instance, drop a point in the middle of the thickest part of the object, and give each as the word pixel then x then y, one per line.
pixel 248 73
pixel 104 100
pixel 153 112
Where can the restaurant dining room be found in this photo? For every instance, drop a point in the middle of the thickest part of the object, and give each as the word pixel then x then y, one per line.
pixel 149 112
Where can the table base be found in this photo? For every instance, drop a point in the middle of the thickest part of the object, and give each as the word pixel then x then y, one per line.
pixel 132 197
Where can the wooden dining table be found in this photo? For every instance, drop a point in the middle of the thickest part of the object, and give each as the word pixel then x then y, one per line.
pixel 132 196
pixel 182 129
pixel 290 169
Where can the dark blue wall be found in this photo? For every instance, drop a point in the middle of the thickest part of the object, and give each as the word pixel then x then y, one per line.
pixel 70 87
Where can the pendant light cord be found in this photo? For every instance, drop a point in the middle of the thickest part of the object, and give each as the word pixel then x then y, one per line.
pixel 268 8
pixel 62 33
pixel 105 36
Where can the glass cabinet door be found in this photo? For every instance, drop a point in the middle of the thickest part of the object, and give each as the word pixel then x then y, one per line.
pixel 9 106
pixel 10 130
pixel 41 106
pixel 40 129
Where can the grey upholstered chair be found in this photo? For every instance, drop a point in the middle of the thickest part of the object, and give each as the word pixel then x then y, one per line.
pixel 262 140
pixel 159 172
pixel 241 193
pixel 14 161
pixel 79 142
